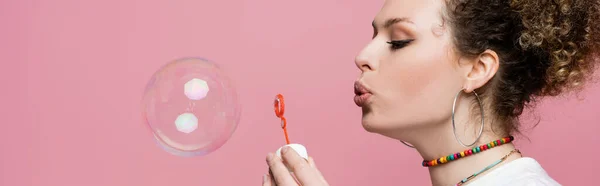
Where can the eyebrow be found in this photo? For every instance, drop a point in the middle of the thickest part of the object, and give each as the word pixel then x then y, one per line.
pixel 393 21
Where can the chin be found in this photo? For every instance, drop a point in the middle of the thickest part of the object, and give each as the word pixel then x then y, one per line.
pixel 371 124
pixel 380 128
pixel 368 127
pixel 383 125
pixel 366 119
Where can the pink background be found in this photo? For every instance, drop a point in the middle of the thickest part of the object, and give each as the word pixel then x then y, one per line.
pixel 73 72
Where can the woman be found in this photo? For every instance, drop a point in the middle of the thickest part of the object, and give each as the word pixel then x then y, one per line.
pixel 433 66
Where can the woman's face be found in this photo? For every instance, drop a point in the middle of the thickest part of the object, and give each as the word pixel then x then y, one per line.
pixel 411 82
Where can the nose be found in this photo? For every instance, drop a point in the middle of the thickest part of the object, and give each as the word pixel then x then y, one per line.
pixel 362 62
pixel 367 59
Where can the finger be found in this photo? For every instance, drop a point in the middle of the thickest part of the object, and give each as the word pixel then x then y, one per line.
pixel 271 178
pixel 305 174
pixel 266 180
pixel 312 163
pixel 280 173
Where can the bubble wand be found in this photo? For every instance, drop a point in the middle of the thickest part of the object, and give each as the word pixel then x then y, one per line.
pixel 279 111
pixel 279 105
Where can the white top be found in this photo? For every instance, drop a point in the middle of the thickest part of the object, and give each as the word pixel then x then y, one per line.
pixel 520 172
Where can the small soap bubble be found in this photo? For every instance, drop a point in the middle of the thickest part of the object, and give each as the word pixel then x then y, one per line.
pixel 191 107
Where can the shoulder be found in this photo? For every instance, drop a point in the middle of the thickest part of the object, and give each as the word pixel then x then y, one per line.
pixel 520 172
pixel 533 180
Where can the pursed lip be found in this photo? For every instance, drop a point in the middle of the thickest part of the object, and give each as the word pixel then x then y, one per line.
pixel 362 94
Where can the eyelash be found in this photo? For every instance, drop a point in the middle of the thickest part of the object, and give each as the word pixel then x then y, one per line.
pixel 398 44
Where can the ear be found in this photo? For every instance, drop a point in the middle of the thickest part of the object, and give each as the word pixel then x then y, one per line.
pixel 483 69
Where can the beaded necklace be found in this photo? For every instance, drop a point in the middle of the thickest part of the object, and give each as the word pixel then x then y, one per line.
pixel 487 168
pixel 468 152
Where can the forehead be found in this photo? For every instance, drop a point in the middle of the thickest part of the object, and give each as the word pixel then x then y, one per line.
pixel 420 12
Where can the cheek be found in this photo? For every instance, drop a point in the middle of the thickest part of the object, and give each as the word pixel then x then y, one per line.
pixel 417 76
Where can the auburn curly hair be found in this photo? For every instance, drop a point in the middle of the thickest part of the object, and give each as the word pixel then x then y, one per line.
pixel 546 47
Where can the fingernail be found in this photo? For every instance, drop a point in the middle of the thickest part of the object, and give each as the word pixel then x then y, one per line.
pixel 264 178
pixel 284 149
pixel 269 157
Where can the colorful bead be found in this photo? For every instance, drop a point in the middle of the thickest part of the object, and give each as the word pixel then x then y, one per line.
pixel 468 152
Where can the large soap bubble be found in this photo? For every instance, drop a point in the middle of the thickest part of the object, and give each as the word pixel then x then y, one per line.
pixel 191 107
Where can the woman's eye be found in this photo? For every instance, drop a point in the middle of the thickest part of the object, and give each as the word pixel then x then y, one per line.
pixel 398 44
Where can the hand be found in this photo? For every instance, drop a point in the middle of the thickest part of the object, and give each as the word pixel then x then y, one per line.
pixel 306 172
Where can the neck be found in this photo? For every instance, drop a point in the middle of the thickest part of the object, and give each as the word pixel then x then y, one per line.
pixel 439 141
pixel 452 172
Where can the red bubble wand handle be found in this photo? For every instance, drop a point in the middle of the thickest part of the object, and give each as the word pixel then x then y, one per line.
pixel 279 110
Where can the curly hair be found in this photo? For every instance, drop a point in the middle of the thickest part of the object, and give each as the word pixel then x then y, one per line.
pixel 546 47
